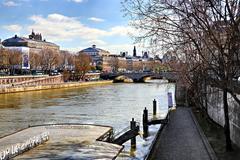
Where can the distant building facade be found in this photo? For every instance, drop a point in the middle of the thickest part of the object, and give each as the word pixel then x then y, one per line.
pixel 124 54
pixel 34 42
pixel 96 54
pixel 168 57
pixel 125 63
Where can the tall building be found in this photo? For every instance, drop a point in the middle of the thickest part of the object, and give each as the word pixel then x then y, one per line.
pixel 124 54
pixel 134 52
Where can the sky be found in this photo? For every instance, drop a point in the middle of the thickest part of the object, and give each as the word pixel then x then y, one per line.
pixel 71 24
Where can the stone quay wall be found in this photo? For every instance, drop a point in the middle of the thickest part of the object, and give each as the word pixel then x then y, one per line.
pixel 16 79
pixel 214 105
pixel 24 81
pixel 16 89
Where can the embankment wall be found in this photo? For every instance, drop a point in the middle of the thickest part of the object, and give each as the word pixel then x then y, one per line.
pixel 214 105
pixel 51 86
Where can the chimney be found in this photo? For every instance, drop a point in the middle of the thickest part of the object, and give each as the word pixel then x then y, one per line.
pixel 94 46
pixel 15 36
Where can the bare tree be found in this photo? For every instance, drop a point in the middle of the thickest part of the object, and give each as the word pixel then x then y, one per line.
pixel 82 65
pixel 49 60
pixel 114 63
pixel 35 60
pixel 204 34
pixel 4 63
pixel 13 58
pixel 66 60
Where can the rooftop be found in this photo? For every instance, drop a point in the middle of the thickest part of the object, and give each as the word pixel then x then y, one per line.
pixel 93 49
pixel 22 41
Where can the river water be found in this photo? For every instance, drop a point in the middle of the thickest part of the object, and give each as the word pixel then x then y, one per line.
pixel 113 105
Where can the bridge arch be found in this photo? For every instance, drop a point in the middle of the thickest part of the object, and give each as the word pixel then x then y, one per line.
pixel 139 77
pixel 122 78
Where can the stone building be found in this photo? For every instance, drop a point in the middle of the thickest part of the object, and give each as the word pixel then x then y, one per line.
pixel 34 42
pixel 126 63
pixel 168 57
pixel 116 63
pixel 96 54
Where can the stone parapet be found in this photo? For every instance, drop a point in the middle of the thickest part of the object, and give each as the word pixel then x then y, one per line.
pixel 16 79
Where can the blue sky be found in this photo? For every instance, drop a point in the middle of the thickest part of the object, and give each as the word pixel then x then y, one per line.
pixel 72 24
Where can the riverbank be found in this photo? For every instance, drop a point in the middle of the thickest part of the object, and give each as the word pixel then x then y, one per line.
pixel 52 86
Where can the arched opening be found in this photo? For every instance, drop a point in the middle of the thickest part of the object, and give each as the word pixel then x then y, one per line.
pixel 123 79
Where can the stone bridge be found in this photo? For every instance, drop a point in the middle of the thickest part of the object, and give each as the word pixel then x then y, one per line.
pixel 140 77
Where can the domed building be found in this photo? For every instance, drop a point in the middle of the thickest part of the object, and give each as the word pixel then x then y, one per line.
pixel 96 54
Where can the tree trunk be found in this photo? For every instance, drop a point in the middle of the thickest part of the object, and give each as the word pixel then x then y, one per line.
pixel 226 126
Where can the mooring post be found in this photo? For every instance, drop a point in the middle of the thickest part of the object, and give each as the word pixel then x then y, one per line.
pixel 133 127
pixel 170 104
pixel 145 123
pixel 154 107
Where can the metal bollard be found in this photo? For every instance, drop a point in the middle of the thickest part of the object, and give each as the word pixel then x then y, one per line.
pixel 154 107
pixel 145 123
pixel 133 127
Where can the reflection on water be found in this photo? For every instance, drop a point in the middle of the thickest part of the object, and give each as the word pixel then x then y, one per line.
pixel 112 105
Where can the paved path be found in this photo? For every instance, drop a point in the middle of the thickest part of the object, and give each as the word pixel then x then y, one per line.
pixel 182 139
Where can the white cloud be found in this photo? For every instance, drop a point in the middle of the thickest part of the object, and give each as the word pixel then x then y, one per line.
pixel 13 28
pixel 77 1
pixel 57 27
pixel 95 19
pixel 122 30
pixel 117 48
pixel 9 3
pixel 97 42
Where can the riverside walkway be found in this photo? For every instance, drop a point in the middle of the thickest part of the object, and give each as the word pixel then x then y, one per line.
pixel 182 139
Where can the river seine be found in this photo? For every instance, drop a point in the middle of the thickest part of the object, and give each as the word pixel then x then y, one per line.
pixel 113 105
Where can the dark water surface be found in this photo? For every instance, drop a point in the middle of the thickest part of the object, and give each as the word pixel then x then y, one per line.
pixel 112 105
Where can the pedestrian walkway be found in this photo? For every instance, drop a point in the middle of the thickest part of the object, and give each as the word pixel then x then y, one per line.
pixel 182 139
